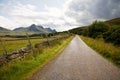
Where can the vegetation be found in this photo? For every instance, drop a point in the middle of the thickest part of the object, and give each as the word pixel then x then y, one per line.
pixel 113 35
pixel 20 70
pixel 107 50
pixel 80 30
pixel 109 31
pixel 97 29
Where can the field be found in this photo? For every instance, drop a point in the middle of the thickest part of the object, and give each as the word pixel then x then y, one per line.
pixel 12 44
pixel 107 50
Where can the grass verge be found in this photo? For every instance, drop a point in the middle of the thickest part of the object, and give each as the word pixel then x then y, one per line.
pixel 21 70
pixel 107 50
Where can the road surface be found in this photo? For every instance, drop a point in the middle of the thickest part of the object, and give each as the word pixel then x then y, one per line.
pixel 78 62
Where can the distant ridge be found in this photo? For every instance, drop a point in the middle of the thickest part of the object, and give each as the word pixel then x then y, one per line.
pixel 4 29
pixel 32 29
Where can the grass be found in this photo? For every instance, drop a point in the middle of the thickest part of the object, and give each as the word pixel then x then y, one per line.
pixel 21 70
pixel 13 44
pixel 107 50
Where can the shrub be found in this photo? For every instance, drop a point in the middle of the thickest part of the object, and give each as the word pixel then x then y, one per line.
pixel 113 35
pixel 97 29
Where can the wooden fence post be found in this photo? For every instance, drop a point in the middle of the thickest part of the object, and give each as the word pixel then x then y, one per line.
pixel 28 38
pixel 29 42
pixel 3 46
pixel 47 39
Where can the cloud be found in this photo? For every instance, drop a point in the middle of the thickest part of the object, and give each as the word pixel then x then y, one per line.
pixel 25 15
pixel 86 11
pixel 4 20
pixel 106 9
pixel 73 13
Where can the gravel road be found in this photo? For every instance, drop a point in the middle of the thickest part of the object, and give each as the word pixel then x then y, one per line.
pixel 78 62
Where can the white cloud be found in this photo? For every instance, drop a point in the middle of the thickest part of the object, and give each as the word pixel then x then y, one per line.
pixel 25 15
pixel 23 10
pixel 5 22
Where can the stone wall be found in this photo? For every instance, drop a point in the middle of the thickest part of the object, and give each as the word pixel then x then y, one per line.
pixel 22 52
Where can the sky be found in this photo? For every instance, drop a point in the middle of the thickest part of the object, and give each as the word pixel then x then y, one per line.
pixel 56 14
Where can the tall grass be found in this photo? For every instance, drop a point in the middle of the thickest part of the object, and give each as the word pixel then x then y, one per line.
pixel 107 50
pixel 21 70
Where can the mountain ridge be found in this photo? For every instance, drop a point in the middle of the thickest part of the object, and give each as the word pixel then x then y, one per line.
pixel 32 29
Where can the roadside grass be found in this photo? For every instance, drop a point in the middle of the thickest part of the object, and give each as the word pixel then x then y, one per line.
pixel 107 50
pixel 22 70
pixel 13 44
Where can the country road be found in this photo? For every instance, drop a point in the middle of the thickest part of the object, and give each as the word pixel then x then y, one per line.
pixel 78 62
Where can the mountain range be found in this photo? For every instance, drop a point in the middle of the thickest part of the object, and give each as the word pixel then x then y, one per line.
pixel 32 29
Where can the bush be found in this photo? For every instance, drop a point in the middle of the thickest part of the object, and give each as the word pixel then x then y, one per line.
pixel 97 29
pixel 113 35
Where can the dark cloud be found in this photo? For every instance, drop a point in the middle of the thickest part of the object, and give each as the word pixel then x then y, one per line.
pixel 106 9
pixel 85 11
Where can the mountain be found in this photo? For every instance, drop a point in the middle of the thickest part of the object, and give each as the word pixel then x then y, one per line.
pixel 19 29
pixel 35 29
pixel 4 29
pixel 32 29
pixel 50 30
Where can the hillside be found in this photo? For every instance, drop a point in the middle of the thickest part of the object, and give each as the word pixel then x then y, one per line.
pixel 5 31
pixel 112 22
pixel 108 30
pixel 115 21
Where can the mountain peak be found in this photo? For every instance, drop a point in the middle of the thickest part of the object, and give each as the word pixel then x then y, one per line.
pixel 33 25
pixel 36 29
pixel 33 28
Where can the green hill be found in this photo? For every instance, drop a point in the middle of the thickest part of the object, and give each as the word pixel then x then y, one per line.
pixel 115 21
pixel 112 23
pixel 108 30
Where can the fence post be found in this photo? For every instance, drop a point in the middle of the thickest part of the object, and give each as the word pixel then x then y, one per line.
pixel 42 36
pixel 29 42
pixel 3 45
pixel 28 38
pixel 47 39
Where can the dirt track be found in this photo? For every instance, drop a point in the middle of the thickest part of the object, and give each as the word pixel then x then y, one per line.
pixel 78 62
